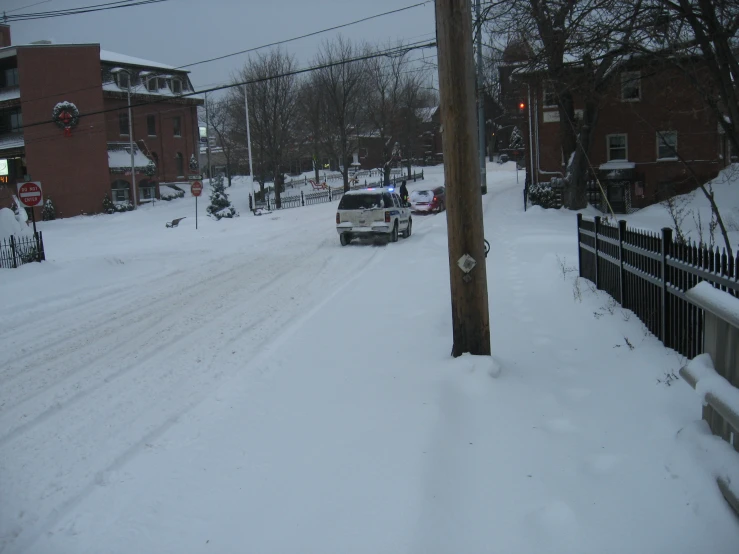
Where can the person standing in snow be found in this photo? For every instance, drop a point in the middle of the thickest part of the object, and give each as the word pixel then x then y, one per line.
pixel 403 193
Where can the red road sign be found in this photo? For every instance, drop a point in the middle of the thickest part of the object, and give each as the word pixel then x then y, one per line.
pixel 196 188
pixel 29 194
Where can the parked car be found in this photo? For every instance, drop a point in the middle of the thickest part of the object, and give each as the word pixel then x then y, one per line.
pixel 431 200
pixel 503 158
pixel 372 213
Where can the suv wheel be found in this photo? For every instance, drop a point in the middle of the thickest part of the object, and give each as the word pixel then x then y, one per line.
pixel 409 229
pixel 344 239
pixel 394 234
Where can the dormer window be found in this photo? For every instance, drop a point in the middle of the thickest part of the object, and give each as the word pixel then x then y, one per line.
pixel 123 79
pixel 176 86
pixel 152 85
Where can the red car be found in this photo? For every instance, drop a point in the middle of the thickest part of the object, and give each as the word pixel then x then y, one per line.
pixel 429 201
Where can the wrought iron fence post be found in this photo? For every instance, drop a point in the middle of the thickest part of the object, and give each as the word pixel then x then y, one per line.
pixel 251 203
pixel 596 226
pixel 579 249
pixel 666 250
pixel 302 198
pixel 621 272
pixel 12 250
pixel 329 194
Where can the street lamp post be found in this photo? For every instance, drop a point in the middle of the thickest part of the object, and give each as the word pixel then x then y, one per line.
pixel 130 135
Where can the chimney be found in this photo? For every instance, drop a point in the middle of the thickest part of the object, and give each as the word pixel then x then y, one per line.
pixel 4 35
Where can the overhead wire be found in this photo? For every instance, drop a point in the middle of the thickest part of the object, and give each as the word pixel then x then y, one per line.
pixel 390 51
pixel 78 11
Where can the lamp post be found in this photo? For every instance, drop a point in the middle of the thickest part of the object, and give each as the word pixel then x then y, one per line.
pixel 130 135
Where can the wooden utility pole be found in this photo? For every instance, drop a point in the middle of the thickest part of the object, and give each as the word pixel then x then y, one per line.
pixel 470 317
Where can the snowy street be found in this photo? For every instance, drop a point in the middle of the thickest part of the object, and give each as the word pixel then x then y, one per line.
pixel 238 388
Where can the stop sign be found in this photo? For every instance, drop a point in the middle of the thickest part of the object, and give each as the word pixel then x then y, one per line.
pixel 29 194
pixel 196 188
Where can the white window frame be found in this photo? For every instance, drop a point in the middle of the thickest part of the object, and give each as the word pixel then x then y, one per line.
pixel 547 86
pixel 174 129
pixel 626 147
pixel 119 80
pixel 626 77
pixel 659 143
pixel 175 83
pixel 152 81
pixel 121 190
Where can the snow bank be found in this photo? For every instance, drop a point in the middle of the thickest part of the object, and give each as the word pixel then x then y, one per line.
pixel 9 225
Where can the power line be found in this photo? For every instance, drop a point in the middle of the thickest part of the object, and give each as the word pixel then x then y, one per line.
pixel 256 47
pixel 307 35
pixel 77 11
pixel 388 52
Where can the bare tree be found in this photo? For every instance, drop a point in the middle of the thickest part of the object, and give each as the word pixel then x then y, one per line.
pixel 272 109
pixel 574 46
pixel 386 82
pixel 340 83
pixel 310 127
pixel 223 124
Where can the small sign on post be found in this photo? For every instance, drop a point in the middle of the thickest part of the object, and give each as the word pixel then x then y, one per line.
pixel 31 195
pixel 196 189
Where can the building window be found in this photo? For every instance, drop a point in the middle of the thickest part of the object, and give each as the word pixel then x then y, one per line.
pixel 11 77
pixel 177 124
pixel 176 86
pixel 179 161
pixel 151 125
pixel 123 79
pixel 123 123
pixel 617 147
pixel 152 85
pixel 549 96
pixel 16 120
pixel 119 191
pixel 667 145
pixel 631 86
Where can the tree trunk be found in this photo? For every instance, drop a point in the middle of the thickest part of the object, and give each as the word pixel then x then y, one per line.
pixel 574 195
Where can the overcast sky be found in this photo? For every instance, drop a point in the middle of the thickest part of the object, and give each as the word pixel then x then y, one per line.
pixel 178 32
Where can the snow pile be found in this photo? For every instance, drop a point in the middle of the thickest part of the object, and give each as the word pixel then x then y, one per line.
pixel 693 211
pixel 167 192
pixel 10 225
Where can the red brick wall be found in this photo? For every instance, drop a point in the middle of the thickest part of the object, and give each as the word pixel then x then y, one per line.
pixel 164 144
pixel 73 171
pixel 4 36
pixel 668 103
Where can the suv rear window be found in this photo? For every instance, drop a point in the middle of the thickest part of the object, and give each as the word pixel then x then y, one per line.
pixel 360 202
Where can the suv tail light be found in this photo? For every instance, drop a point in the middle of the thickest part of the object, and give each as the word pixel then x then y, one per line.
pixel 387 217
pixel 338 218
pixel 435 199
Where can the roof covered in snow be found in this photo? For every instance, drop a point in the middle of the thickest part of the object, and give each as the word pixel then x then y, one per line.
pixel 114 57
pixel 119 157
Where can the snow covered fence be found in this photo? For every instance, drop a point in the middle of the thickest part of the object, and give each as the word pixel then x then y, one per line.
pixel 649 273
pixel 718 384
pixel 16 251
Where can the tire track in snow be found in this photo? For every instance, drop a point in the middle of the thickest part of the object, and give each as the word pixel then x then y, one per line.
pixel 164 391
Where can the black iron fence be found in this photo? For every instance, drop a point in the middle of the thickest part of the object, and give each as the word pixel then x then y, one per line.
pixel 649 273
pixel 16 251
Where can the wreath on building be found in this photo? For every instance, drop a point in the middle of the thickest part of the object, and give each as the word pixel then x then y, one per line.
pixel 193 163
pixel 66 116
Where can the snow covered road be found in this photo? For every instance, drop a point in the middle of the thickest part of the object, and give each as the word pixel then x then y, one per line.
pixel 240 389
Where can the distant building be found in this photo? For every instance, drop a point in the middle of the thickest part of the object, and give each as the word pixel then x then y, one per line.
pixel 46 87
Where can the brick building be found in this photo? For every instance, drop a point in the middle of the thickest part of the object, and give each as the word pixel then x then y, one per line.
pixel 647 114
pixel 79 170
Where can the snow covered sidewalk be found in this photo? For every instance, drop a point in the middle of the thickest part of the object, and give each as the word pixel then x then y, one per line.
pixel 339 432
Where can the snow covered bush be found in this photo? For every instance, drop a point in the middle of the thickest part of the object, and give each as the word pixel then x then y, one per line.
pixel 220 205
pixel 10 224
pixel 170 192
pixel 543 195
pixel 110 207
pixel 49 211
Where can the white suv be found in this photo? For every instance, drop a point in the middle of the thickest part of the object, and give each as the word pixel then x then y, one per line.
pixel 372 213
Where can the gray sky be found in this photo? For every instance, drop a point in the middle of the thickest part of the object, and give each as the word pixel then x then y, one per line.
pixel 178 32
